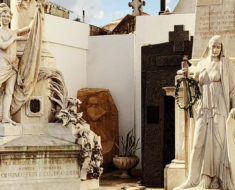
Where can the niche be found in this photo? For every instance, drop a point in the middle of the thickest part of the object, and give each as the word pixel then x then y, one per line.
pixel 34 107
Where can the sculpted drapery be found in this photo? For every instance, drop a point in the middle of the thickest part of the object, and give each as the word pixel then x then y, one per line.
pixel 209 162
pixel 29 65
pixel 14 95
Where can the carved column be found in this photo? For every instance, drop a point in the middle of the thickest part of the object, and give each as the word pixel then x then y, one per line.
pixel 177 166
pixel 179 125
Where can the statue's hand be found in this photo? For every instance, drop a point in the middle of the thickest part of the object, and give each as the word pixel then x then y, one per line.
pixel 232 113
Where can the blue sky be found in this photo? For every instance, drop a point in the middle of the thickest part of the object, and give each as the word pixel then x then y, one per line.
pixel 101 12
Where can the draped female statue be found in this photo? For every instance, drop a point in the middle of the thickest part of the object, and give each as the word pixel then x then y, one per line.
pixel 15 94
pixel 209 162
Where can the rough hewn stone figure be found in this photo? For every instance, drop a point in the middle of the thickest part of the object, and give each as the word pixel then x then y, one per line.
pixel 101 113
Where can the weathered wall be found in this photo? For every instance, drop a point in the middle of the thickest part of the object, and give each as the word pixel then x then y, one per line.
pixel 111 66
pixel 68 42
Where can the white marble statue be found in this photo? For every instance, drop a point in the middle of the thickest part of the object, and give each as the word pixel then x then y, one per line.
pixel 209 162
pixel 8 60
pixel 21 79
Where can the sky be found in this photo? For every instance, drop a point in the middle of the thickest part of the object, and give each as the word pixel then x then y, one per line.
pixel 102 12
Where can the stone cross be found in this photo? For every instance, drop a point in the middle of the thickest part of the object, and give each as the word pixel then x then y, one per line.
pixel 179 36
pixel 137 6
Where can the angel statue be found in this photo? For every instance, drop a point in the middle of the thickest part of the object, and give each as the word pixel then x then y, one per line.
pixel 209 162
pixel 17 79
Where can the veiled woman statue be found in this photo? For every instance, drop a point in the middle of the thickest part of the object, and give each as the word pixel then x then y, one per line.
pixel 15 94
pixel 209 162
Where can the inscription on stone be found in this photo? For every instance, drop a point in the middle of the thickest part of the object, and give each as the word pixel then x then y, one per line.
pixel 208 2
pixel 215 19
pixel 38 169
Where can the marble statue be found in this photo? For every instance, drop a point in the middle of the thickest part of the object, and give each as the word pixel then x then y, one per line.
pixel 9 60
pixel 23 4
pixel 18 79
pixel 65 149
pixel 209 162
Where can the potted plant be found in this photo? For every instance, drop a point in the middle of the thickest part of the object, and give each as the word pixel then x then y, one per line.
pixel 127 159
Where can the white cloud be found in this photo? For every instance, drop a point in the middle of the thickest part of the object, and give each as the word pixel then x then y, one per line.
pixel 93 10
pixel 120 13
pixel 168 1
pixel 168 4
pixel 100 15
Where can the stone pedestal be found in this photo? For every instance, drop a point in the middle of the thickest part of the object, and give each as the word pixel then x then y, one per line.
pixel 231 144
pixel 44 167
pixel 175 172
pixel 40 156
pixel 38 109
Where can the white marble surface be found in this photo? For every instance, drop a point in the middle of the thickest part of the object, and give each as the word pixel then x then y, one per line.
pixel 214 17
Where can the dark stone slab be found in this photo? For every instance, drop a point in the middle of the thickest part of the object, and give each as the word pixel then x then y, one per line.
pixel 179 36
pixel 160 63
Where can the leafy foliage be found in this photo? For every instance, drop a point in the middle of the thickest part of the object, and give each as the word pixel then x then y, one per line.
pixel 128 144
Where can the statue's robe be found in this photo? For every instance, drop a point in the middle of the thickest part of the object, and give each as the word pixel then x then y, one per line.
pixel 29 66
pixel 205 130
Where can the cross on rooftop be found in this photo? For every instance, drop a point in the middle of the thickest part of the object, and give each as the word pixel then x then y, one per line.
pixel 179 36
pixel 137 6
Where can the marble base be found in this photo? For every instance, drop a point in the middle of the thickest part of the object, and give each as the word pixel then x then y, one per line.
pixel 200 188
pixel 92 184
pixel 57 184
pixel 40 157
pixel 41 185
pixel 47 132
pixel 174 175
pixel 39 167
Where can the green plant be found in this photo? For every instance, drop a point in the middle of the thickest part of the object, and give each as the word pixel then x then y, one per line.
pixel 128 144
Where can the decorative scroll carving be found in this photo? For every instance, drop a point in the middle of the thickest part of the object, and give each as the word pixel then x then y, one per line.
pixel 67 113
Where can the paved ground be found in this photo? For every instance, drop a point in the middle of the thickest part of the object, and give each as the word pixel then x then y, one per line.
pixel 111 181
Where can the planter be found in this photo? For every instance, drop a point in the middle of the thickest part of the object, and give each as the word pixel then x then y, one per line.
pixel 125 164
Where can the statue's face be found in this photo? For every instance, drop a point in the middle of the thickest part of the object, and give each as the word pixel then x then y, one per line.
pixel 215 49
pixel 5 17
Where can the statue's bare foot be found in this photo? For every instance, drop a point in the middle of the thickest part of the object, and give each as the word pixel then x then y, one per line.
pixel 215 184
pixel 8 120
pixel 206 181
pixel 186 185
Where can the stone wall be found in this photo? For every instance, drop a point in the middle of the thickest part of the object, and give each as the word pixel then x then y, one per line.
pixel 72 62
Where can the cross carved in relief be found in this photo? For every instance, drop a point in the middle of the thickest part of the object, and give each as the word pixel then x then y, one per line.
pixel 137 6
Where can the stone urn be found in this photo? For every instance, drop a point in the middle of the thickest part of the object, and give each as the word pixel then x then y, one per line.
pixel 125 164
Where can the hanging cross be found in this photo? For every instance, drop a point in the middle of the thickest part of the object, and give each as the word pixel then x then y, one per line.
pixel 137 6
pixel 179 36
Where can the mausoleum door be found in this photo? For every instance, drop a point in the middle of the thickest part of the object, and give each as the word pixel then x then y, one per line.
pixel 159 66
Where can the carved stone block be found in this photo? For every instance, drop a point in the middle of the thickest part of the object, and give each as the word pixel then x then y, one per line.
pixel 101 113
pixel 38 108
